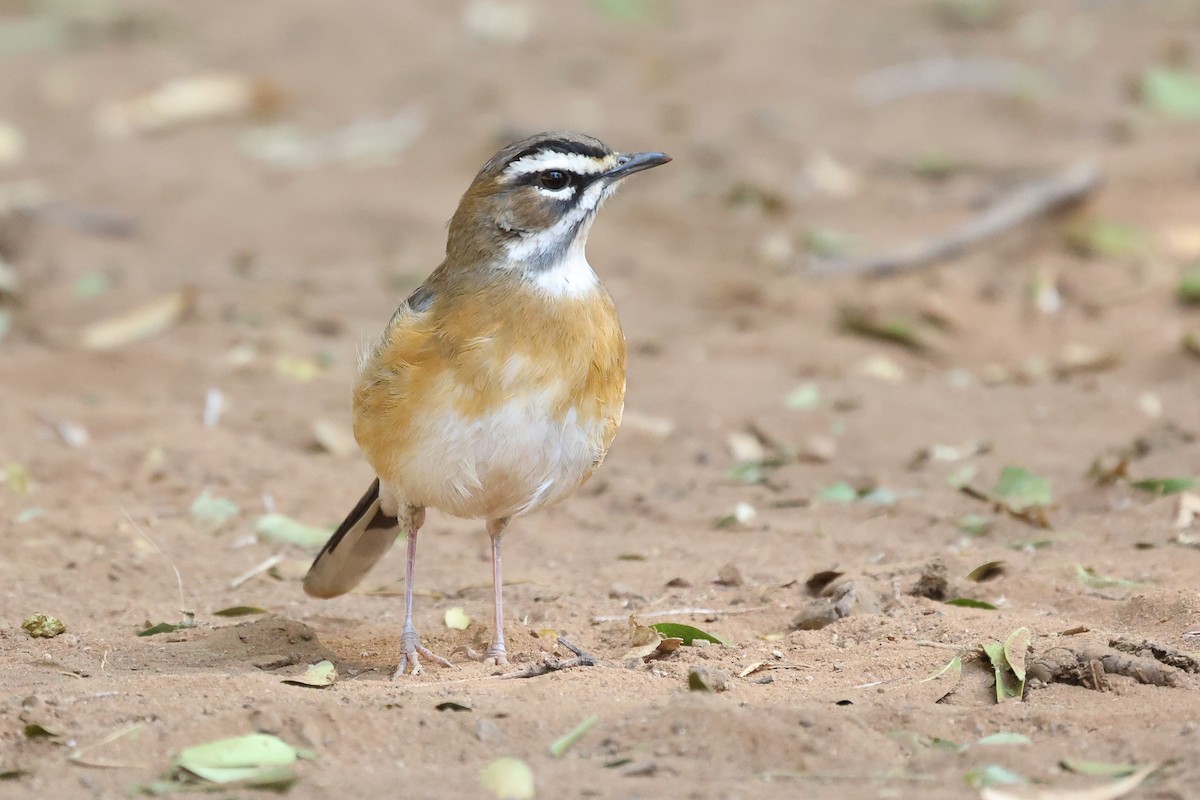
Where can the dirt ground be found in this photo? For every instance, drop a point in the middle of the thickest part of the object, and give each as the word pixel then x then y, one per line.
pixel 779 147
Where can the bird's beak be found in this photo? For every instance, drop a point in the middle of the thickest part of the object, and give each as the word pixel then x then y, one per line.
pixel 630 163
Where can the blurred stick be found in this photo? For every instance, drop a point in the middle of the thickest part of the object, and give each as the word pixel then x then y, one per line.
pixel 1023 204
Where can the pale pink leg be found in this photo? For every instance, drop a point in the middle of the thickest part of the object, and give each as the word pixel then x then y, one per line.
pixel 496 652
pixel 410 642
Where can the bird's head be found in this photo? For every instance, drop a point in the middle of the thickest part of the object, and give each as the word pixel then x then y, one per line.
pixel 532 204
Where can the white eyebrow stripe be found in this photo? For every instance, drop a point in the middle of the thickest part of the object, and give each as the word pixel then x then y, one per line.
pixel 567 162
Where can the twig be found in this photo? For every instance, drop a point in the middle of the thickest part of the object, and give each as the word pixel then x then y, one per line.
pixel 942 645
pixel 188 615
pixel 1022 204
pixel 677 611
pixel 550 664
pixel 259 570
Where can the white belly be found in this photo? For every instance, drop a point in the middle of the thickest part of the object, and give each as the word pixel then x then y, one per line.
pixel 509 462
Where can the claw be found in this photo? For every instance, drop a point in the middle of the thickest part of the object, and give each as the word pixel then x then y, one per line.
pixel 495 656
pixel 412 648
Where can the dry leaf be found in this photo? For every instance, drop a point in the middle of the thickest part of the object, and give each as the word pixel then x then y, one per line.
pixel 188 100
pixel 334 438
pixel 141 323
pixel 456 619
pixel 1189 509
pixel 1106 791
pixel 745 447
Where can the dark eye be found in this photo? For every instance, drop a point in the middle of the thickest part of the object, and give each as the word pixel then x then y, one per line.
pixel 554 179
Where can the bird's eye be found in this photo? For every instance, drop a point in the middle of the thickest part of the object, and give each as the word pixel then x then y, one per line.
pixel 554 179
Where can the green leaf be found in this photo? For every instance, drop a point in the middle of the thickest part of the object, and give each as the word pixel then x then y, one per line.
pixel 280 528
pixel 838 493
pixel 992 775
pixel 974 524
pixel 34 730
pixel 1105 239
pixel 1173 92
pixel 677 630
pixel 257 759
pixel 1162 486
pixel 92 284
pixel 970 602
pixel 1016 646
pixel 1092 580
pixel 986 571
pixel 1020 490
pixel 318 675
pixel 162 627
pixel 804 397
pixel 1098 769
pixel 1005 738
pixel 1189 285
pixel 1007 683
pixel 240 611
pixel 565 742
pixel 213 511
pixel 508 779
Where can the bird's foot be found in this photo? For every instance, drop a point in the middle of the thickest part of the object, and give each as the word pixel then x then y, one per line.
pixel 411 648
pixel 495 656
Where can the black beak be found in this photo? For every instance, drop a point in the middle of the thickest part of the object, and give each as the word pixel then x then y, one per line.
pixel 635 162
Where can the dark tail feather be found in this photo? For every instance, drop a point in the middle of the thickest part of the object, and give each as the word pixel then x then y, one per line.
pixel 360 541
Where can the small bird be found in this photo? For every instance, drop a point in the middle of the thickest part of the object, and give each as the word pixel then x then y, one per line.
pixel 498 385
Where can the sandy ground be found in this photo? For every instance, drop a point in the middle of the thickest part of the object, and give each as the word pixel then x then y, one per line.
pixel 762 107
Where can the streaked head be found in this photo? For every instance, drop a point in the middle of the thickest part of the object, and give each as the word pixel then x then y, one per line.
pixel 534 201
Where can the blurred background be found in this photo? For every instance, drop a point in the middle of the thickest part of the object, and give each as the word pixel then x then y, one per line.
pixel 207 208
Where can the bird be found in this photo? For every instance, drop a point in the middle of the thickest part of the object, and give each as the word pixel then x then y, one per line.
pixel 498 385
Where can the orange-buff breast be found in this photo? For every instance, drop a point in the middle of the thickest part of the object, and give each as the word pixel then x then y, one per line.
pixel 494 402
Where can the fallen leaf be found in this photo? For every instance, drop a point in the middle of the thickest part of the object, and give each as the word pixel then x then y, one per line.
pixel 1109 791
pixel 804 397
pixel 1021 490
pixel 334 438
pixel 1090 578
pixel 319 675
pixel 141 323
pixel 508 779
pixel 947 677
pixel 1162 486
pixel 456 619
pixel 986 571
pixel 188 100
pixel 281 528
pixel 992 775
pixel 1004 738
pixel 211 511
pixel 257 759
pixel 34 730
pixel 882 368
pixel 1188 290
pixel 643 640
pixel 1105 239
pixel 562 744
pixel 1008 685
pixel 974 524
pixel 1016 648
pixel 968 602
pixel 686 633
pixel 838 493
pixel 239 611
pixel 162 627
pixel 1188 510
pixel 1172 92
pixel 1098 769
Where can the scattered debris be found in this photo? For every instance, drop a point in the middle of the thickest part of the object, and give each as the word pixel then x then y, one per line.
pixel 189 100
pixel 1089 667
pixel 1159 652
pixel 508 779
pixel 257 760
pixel 933 582
pixel 318 675
pixel 560 746
pixel 839 598
pixel 456 619
pixel 281 528
pixel 43 626
pixel 141 323
pixel 1173 93
pixel 704 679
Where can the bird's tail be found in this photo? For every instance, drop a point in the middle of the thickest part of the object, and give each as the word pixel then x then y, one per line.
pixel 360 541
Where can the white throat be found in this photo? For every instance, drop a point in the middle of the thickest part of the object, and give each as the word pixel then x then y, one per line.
pixel 570 276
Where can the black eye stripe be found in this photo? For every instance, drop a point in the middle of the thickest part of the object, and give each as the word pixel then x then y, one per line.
pixel 562 146
pixel 578 180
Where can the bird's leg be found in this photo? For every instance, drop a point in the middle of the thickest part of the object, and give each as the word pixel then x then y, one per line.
pixel 496 653
pixel 410 642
